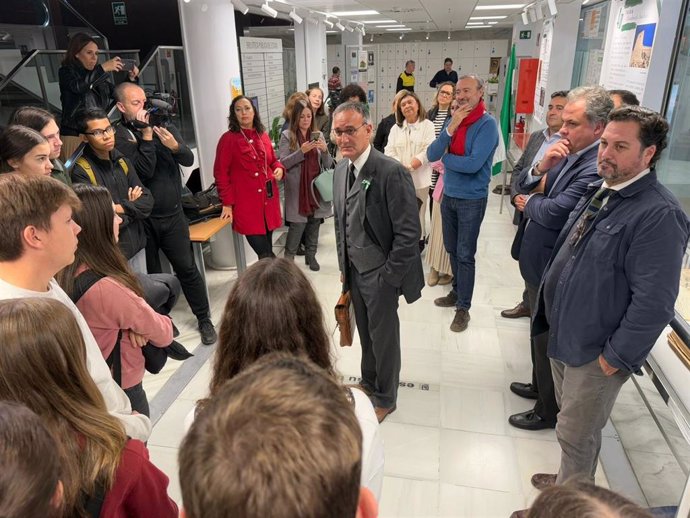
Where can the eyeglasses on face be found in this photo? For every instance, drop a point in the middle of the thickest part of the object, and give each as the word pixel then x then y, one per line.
pixel 349 131
pixel 101 132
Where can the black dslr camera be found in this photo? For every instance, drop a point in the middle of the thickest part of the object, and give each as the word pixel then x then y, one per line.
pixel 161 108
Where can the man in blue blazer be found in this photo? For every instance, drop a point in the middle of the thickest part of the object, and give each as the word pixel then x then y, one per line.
pixel 556 183
pixel 377 233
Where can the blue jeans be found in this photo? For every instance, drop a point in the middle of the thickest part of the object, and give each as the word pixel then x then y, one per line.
pixel 461 220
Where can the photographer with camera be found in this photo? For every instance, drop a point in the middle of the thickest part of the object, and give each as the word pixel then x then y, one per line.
pixel 85 84
pixel 157 150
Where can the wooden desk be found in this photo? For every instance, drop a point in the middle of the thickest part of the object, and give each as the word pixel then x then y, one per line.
pixel 199 233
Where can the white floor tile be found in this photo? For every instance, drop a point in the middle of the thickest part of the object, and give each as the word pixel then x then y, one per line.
pixel 169 430
pixel 404 497
pixel 479 460
pixel 411 451
pixel 418 407
pixel 473 410
pixel 471 502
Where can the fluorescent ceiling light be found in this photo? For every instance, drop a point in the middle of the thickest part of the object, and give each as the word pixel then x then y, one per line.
pixel 354 13
pixel 405 29
pixel 493 23
pixel 240 6
pixel 488 17
pixel 379 21
pixel 478 27
pixel 389 26
pixel 502 6
pixel 476 23
pixel 296 17
pixel 332 32
pixel 269 10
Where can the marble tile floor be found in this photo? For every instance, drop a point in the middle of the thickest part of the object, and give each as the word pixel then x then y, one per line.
pixel 450 451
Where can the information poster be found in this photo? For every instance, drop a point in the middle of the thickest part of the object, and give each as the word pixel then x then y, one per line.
pixel 592 23
pixel 595 58
pixel 631 32
pixel 363 61
pixel 540 98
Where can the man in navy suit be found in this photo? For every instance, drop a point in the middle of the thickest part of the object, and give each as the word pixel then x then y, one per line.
pixel 556 183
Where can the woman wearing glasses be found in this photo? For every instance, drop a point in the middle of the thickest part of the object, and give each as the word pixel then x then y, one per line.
pixel 25 151
pixel 407 143
pixel 437 257
pixel 247 173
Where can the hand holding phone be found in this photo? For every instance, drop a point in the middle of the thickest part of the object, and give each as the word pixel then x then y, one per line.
pixel 128 64
pixel 315 135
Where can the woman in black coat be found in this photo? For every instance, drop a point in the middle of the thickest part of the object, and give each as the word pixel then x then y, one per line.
pixel 84 84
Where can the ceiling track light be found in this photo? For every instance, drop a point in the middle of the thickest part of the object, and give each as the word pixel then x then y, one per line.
pixel 372 38
pixel 328 24
pixel 402 36
pixel 348 28
pixel 269 10
pixel 362 30
pixel 295 17
pixel 525 18
pixel 240 6
pixel 340 26
pixel 448 34
pixel 553 10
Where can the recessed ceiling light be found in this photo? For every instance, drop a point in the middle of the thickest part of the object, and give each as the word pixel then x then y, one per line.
pixel 354 13
pixel 405 29
pixel 390 26
pixel 476 23
pixel 478 27
pixel 379 21
pixel 487 17
pixel 502 6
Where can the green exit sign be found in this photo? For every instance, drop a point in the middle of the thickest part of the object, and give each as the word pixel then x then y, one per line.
pixel 119 13
pixel 525 35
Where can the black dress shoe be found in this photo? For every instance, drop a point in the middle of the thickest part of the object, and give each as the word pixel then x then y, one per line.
pixel 530 421
pixel 526 390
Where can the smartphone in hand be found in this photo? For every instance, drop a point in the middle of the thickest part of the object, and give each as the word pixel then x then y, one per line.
pixel 128 64
pixel 315 135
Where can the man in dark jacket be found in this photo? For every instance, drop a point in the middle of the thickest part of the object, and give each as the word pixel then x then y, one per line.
pixel 610 286
pixel 445 74
pixel 157 154
pixel 377 232
pixel 557 182
pixel 102 164
pixel 538 143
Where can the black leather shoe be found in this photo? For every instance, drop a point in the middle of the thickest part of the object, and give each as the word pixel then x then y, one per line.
pixel 525 390
pixel 530 421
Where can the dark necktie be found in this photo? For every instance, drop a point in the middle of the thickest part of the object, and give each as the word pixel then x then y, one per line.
pixel 595 205
pixel 351 177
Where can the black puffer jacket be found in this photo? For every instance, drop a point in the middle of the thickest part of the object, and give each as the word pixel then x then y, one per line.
pixel 82 89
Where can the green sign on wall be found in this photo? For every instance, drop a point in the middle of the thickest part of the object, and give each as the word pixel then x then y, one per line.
pixel 119 13
pixel 525 35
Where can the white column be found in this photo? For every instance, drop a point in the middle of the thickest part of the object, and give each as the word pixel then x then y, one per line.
pixel 310 55
pixel 212 58
pixel 349 39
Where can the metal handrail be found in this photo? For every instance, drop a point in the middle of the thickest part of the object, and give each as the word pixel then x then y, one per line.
pixel 32 54
pixel 145 62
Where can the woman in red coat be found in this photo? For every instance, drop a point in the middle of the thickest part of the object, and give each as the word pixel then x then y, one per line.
pixel 247 174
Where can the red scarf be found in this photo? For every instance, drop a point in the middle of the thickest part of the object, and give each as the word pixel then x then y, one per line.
pixel 457 144
pixel 310 169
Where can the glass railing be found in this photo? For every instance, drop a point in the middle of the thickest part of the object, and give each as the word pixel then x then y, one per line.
pixel 164 74
pixel 34 80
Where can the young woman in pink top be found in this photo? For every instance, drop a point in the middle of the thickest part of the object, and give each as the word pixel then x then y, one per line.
pixel 114 306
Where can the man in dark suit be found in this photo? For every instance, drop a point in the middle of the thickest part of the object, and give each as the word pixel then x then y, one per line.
pixel 556 183
pixel 538 143
pixel 377 230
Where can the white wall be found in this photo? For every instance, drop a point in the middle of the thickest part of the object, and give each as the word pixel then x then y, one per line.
pixel 310 55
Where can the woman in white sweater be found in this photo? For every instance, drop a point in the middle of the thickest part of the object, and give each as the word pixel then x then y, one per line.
pixel 407 143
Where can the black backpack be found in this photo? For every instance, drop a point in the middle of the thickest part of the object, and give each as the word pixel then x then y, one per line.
pixel 201 205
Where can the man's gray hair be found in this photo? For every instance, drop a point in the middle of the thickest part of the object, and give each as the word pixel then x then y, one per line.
pixel 598 103
pixel 360 108
pixel 479 80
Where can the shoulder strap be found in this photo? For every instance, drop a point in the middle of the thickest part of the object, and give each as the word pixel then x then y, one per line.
pixel 93 504
pixel 86 166
pixel 123 165
pixel 82 284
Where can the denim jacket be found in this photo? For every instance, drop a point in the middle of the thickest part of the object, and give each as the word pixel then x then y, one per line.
pixel 617 292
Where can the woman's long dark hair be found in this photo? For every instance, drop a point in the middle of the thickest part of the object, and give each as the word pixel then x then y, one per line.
pixel 234 124
pixel 76 43
pixel 97 247
pixel 271 307
pixel 299 107
pixel 15 142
